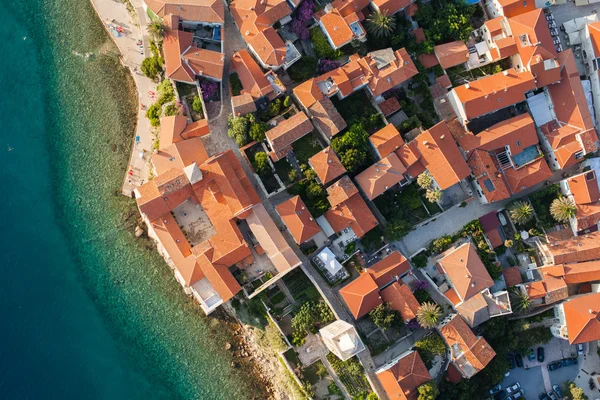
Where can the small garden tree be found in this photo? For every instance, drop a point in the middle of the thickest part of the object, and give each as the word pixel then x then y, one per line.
pixel 425 180
pixel 428 315
pixel 352 158
pixel 381 24
pixel 563 209
pixel 156 29
pixel 197 104
pixel 303 69
pixel 521 212
pixel 293 175
pixel 314 190
pixel 237 128
pixel 261 164
pixel 428 391
pixel 384 316
pixel 151 67
pixel 257 131
pixel 433 195
pixel 396 229
pixel 309 173
pixel 520 301
pixel 576 392
pixel 153 113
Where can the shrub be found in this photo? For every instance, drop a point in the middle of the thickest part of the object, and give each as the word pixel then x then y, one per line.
pixel 441 244
pixel 287 101
pixel 419 261
pixel 314 190
pixel 236 84
pixel 274 108
pixel 429 315
pixel 326 65
pixel 172 109
pixel 197 104
pixel 351 159
pixel 428 391
pixel 521 212
pixel 237 128
pixel 151 67
pixel 303 69
pixel 261 164
pixel 396 229
pixel 153 113
pixel 309 173
pixel 563 208
pixel 293 175
pixel 384 316
pixel 425 180
pixel 350 248
pixel 321 45
pixel 433 195
pixel 303 15
pixel 166 92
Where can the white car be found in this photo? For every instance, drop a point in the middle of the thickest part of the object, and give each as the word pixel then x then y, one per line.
pixel 513 388
pixel 580 349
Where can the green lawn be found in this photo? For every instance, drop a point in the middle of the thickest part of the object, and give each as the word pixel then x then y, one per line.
pixel 306 147
pixel 354 107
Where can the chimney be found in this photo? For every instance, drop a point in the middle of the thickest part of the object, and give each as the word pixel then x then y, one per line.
pixel 467 85
pixel 505 73
pixel 442 137
pixel 425 143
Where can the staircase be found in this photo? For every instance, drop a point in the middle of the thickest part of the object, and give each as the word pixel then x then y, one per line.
pixel 504 160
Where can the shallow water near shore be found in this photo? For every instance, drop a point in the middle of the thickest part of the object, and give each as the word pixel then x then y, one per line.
pixel 88 311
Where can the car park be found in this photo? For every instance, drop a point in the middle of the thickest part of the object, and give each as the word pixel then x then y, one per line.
pixel 511 360
pixel 552 396
pixel 519 360
pixel 556 389
pixel 518 395
pixel 495 389
pixel 568 361
pixel 543 396
pixel 580 349
pixel 554 365
pixel 515 387
pixel 531 355
pixel 540 354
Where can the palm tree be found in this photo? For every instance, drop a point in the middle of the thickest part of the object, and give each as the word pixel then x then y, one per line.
pixel 381 24
pixel 521 212
pixel 433 195
pixel 156 29
pixel 425 180
pixel 563 209
pixel 429 314
pixel 520 301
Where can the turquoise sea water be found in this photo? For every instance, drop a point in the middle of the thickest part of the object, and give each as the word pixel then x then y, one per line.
pixel 87 311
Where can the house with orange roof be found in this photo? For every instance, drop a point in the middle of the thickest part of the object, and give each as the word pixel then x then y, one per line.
pixel 508 8
pixel 575 249
pixel 390 6
pixel 410 156
pixel 253 79
pixel 255 20
pixel 326 118
pixel 469 353
pixel 298 220
pixel 402 376
pixel 441 157
pixel 389 269
pixel 349 211
pixel 590 43
pixel 326 165
pixel 546 291
pixel 579 319
pixel 401 299
pixel 191 12
pixel 179 155
pixel 174 129
pixel 381 176
pixel 584 190
pixel 466 284
pixel 387 69
pixel 361 295
pixel 341 29
pixel 286 132
pixel 490 93
pixel 451 54
pixel 386 140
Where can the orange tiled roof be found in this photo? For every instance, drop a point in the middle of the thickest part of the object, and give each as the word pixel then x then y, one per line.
pixel 402 379
pixel 179 155
pixel 308 93
pixel 488 177
pixel 441 156
pixel 473 350
pixel 243 104
pixel 341 191
pixel 584 187
pixel 196 129
pixel 337 28
pixel 410 156
pixel 253 80
pixel 451 54
pixel 506 47
pixel 204 62
pixel 391 6
pixel 383 78
pixel 494 26
pixel 390 267
pixel 576 249
pixel 212 11
pixel 170 130
pixel 513 8
pixel 517 132
pixel 428 60
pixel 565 155
pixel 361 295
pixel 389 106
pixel 588 216
pixel 494 92
pixel 536 290
pixel 347 8
pixel 582 316
pixel 528 175
pixel 327 165
pixel 533 28
pixel 444 81
pixel 580 272
pixel 381 176
pixel 269 47
pixel 175 42
pixel 327 118
pixel 466 271
pixel 402 300
pixel 594 29
pixel 287 132
pixel 419 35
pixel 353 213
pixel 298 220
pixel 512 276
pixel 386 140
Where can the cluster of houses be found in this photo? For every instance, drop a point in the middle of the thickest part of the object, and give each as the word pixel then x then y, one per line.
pixel 501 134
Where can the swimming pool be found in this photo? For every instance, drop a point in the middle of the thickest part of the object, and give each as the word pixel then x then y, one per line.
pixel 527 155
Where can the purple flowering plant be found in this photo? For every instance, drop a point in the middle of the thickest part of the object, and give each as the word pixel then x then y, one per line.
pixel 304 13
pixel 326 65
pixel 209 89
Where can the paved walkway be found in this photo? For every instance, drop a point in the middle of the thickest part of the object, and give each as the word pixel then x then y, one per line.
pixel 131 57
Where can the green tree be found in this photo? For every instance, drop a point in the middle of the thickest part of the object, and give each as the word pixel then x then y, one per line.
pixel 521 212
pixel 166 92
pixel 237 128
pixel 172 109
pixel 287 101
pixel 381 24
pixel 257 131
pixel 520 301
pixel 384 316
pixel 425 180
pixel 274 108
pixel 396 229
pixel 576 392
pixel 156 30
pixel 153 113
pixel 301 70
pixel 309 173
pixel 352 159
pixel 293 175
pixel 428 391
pixel 261 163
pixel 151 67
pixel 433 195
pixel 314 190
pixel 197 104
pixel 563 209
pixel 441 244
pixel 429 315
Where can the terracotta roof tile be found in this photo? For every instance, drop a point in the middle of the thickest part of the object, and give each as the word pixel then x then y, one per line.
pixel 337 28
pixel 451 54
pixel 517 132
pixel 512 276
pixel 428 60
pixel 308 93
pixel 175 42
pixel 513 8
pixel 204 62
pixel 389 106
pixel 383 78
pixel 402 300
pixel 381 176
pixel 327 165
pixel 528 175
pixel 444 81
pixel 198 128
pixel 190 10
pixel 361 295
pixel 253 79
pixel 327 118
pixel 298 220
pixel 269 47
pixel 171 129
pixel 576 249
pixel 287 132
pixel 243 104
pixel 353 213
pixel 474 311
pixel 490 180
pixel 341 191
pixel 582 315
pixel 391 6
pixel 584 187
pixel 419 35
pixel 179 155
pixel 402 379
pixel 386 140
pixel 392 266
pixel 588 216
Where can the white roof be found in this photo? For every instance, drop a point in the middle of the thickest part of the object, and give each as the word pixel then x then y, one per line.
pixel 540 109
pixel 324 224
pixel 331 264
pixel 575 38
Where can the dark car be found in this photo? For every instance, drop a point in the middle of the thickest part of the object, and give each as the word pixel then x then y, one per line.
pixel 554 365
pixel 568 361
pixel 500 395
pixel 543 396
pixel 511 360
pixel 540 354
pixel 495 389
pixel 531 355
pixel 519 360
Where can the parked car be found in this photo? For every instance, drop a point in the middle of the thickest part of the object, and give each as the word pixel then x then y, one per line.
pixel 540 354
pixel 519 360
pixel 568 361
pixel 519 395
pixel 579 349
pixel 554 365
pixel 556 389
pixel 552 396
pixel 495 389
pixel 500 395
pixel 513 388
pixel 511 360
pixel 531 355
pixel 543 396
